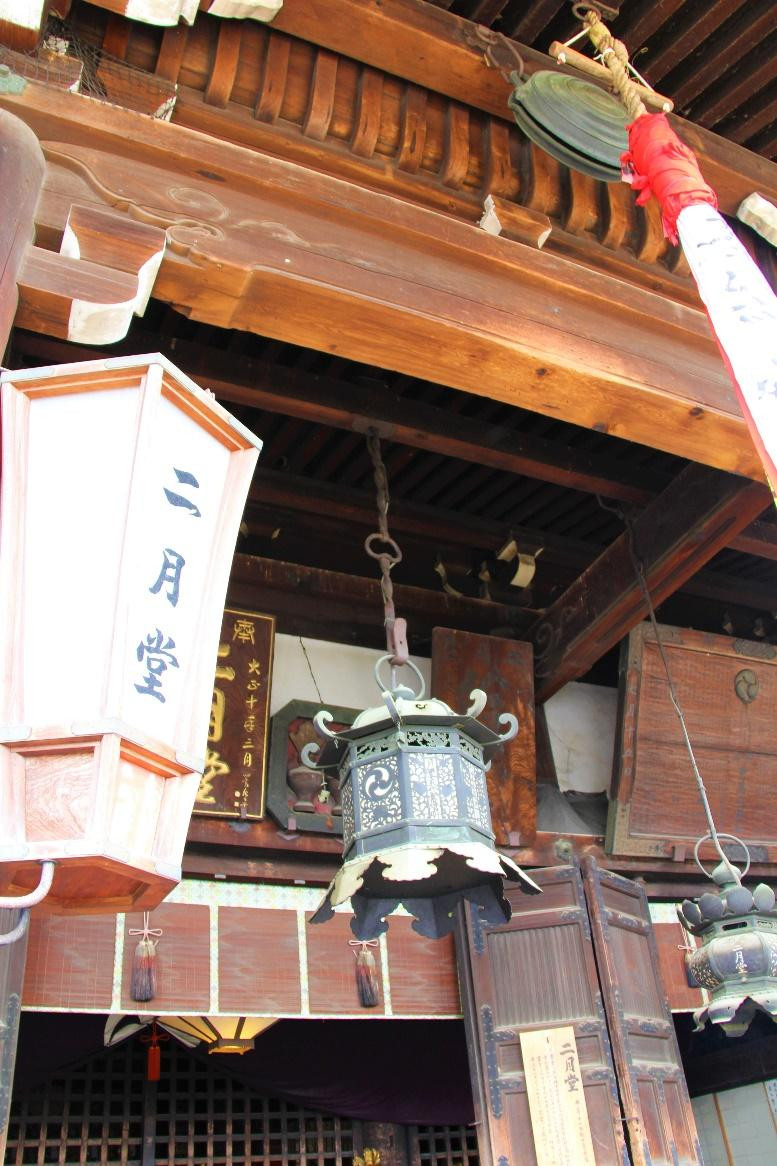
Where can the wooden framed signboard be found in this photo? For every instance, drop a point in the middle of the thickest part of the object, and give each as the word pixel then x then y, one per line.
pixel 233 784
pixel 727 689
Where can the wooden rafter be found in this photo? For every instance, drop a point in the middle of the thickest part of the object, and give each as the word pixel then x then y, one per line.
pixel 429 46
pixel 674 536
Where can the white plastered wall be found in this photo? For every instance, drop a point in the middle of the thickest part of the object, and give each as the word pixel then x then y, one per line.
pixel 581 717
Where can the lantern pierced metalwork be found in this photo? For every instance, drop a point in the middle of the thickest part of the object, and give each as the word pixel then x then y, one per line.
pixel 416 818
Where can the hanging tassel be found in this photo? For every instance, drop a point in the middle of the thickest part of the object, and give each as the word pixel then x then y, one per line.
pixel 366 972
pixel 143 977
pixel 154 1055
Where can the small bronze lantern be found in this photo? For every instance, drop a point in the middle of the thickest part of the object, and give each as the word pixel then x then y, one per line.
pixel 737 961
pixel 416 819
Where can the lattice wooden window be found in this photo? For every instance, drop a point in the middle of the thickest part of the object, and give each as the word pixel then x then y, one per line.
pixel 93 1113
pixel 203 1117
pixel 443 1146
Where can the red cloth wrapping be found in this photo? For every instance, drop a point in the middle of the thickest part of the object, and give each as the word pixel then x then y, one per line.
pixel 659 163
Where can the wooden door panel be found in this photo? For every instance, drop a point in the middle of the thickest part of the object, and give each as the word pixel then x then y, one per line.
pixel 658 1114
pixel 535 972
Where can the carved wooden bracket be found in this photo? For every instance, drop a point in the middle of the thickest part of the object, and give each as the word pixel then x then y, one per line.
pixel 101 277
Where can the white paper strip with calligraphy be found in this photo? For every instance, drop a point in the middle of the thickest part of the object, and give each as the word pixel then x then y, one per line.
pixel 743 312
pixel 554 1084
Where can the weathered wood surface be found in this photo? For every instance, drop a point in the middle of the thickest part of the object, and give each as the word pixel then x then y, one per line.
pixel 393 134
pixel 659 1121
pixel 537 971
pixel 462 662
pixel 256 243
pixel 22 169
pixel 674 536
pixel 656 809
pixel 100 278
pixel 305 599
pixel 429 46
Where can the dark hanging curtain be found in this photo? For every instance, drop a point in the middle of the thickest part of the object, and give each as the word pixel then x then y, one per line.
pixel 408 1071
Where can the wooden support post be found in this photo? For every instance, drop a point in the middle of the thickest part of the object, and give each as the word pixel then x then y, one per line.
pixel 22 167
pixel 388 1139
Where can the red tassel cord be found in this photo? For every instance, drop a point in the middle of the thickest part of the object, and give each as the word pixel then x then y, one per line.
pixel 154 1055
pixel 143 977
pixel 366 972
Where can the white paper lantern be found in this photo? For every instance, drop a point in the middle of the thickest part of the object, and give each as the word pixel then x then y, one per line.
pixel 123 485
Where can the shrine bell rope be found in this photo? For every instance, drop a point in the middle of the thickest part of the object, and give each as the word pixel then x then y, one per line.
pixel 741 306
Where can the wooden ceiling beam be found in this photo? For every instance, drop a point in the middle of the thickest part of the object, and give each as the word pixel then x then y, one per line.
pixel 263 245
pixel 306 599
pixel 274 388
pixel 674 537
pixel 343 405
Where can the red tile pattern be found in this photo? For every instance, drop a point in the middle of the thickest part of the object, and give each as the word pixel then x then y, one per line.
pixel 422 972
pixel 70 962
pixel 258 961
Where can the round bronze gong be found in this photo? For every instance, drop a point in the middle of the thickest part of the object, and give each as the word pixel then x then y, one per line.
pixel 574 121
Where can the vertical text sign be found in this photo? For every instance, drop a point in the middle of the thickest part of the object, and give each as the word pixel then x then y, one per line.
pixel 554 1084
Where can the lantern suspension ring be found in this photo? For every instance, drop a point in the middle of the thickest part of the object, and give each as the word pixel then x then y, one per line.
pixel 24 902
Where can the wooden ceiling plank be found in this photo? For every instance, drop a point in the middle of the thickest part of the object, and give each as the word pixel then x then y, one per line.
pixel 642 20
pixel 758 115
pixel 346 406
pixel 727 96
pixel 534 18
pixel 487 11
pixel 680 531
pixel 723 54
pixel 679 44
pixel 291 592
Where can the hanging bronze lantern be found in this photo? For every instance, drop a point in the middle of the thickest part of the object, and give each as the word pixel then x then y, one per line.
pixel 416 818
pixel 737 960
pixel 574 121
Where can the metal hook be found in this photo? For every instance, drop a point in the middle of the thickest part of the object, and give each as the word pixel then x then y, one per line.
pixel 18 931
pixel 22 902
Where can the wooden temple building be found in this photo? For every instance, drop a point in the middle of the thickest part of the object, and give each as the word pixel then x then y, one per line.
pixel 324 212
